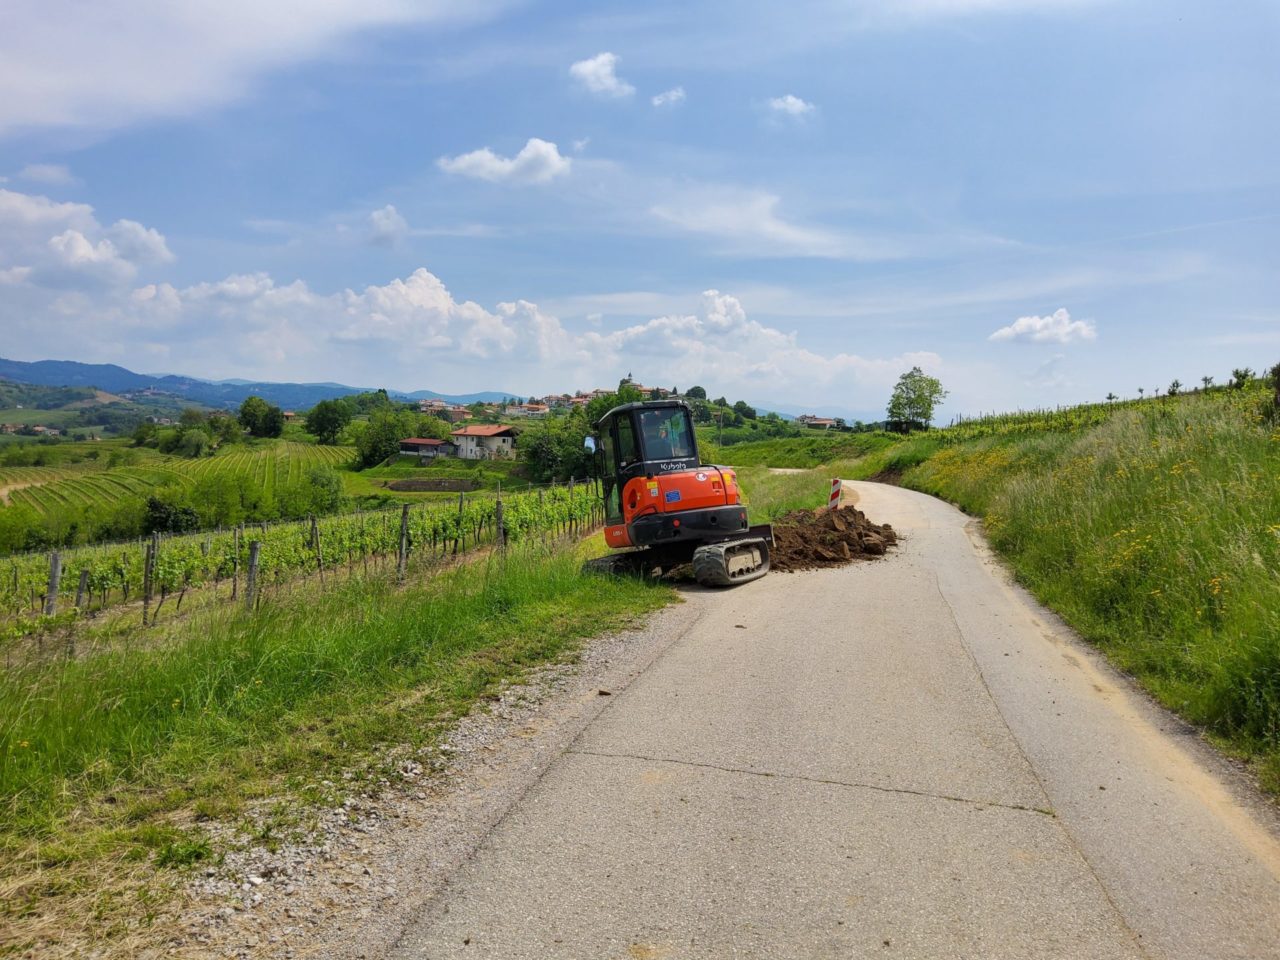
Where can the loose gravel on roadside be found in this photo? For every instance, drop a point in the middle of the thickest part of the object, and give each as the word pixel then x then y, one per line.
pixel 351 878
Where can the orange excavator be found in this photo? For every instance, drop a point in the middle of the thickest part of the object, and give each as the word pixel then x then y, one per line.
pixel 666 508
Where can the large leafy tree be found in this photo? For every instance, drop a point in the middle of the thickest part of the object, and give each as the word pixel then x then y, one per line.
pixel 554 449
pixel 326 420
pixel 915 396
pixel 381 436
pixel 260 418
pixel 601 405
pixel 252 410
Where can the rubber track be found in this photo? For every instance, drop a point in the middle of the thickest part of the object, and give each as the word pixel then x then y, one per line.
pixel 711 570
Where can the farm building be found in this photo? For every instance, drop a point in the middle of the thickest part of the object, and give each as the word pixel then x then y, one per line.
pixel 485 442
pixel 427 448
pixel 820 423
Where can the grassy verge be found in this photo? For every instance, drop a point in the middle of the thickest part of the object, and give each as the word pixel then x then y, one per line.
pixel 1156 535
pixel 798 452
pixel 108 764
pixel 771 495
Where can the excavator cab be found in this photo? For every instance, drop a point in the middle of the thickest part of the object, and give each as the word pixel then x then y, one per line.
pixel 659 496
pixel 640 440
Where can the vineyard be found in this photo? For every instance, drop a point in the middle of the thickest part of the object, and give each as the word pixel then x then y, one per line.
pixel 51 490
pixel 92 579
pixel 1086 416
pixel 1074 419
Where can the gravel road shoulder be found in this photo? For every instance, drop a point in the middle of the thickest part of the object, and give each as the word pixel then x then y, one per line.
pixel 349 887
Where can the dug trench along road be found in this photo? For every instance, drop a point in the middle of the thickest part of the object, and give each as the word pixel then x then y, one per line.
pixel 899 758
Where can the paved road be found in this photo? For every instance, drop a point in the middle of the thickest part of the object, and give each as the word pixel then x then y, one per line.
pixel 903 758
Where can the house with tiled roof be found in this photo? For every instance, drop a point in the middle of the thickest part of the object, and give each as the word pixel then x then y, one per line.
pixel 494 441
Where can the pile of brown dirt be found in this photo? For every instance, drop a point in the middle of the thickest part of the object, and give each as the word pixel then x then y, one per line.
pixel 805 540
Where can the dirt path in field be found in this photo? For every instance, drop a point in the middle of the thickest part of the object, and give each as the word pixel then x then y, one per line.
pixel 11 487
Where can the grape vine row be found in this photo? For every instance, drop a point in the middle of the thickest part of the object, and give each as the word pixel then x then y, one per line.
pixel 115 572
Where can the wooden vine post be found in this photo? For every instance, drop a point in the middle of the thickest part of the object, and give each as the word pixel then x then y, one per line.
pixel 148 567
pixel 55 578
pixel 235 562
pixel 251 580
pixel 82 588
pixel 501 531
pixel 315 545
pixel 402 553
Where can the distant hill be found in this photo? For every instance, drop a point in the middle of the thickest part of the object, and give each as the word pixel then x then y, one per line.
pixel 212 393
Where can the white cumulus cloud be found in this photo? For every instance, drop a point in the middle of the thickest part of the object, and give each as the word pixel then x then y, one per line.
pixel 790 105
pixel 74 250
pixel 720 344
pixel 669 98
pixel 412 332
pixel 538 162
pixel 60 244
pixel 598 75
pixel 139 244
pixel 387 228
pixel 1058 327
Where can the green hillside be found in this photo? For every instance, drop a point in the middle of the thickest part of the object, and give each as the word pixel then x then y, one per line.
pixel 78 411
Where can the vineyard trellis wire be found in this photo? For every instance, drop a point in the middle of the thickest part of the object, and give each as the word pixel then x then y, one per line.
pixel 96 578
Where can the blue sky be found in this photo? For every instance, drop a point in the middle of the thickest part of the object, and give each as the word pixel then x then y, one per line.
pixel 1039 201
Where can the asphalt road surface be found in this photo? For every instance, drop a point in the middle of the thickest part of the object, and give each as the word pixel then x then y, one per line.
pixel 902 758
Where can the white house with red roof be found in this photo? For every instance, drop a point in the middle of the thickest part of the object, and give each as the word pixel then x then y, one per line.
pixel 485 442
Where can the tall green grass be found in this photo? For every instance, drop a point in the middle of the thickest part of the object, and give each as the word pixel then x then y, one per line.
pixel 772 495
pixel 305 681
pixel 1156 535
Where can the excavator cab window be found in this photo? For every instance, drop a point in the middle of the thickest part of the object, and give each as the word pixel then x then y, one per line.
pixel 666 434
pixel 628 449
